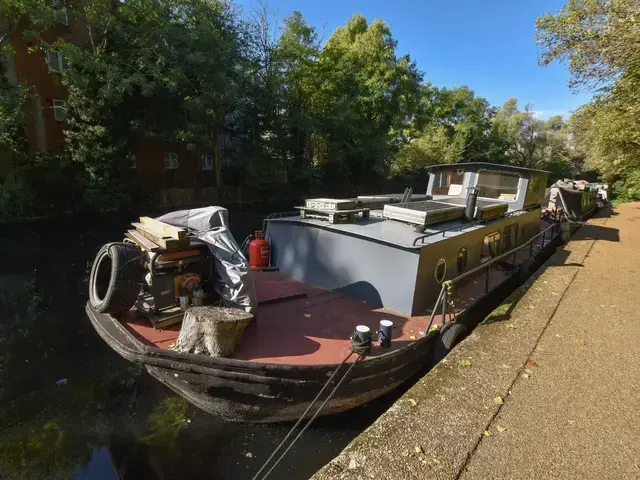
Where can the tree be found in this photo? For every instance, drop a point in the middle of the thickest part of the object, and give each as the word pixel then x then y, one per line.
pixel 364 99
pixel 601 40
pixel 448 126
pixel 150 68
pixel 276 104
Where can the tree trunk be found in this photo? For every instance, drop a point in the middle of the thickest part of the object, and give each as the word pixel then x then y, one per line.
pixel 214 331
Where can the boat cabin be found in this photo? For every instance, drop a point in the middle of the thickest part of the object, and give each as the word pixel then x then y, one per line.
pixel 395 251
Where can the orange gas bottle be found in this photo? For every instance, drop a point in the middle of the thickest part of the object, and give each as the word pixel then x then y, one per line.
pixel 259 252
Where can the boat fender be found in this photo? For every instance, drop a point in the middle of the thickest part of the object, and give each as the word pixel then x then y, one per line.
pixel 565 231
pixel 116 276
pixel 526 269
pixel 450 335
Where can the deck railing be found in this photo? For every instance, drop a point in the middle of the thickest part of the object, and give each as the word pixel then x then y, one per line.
pixel 442 301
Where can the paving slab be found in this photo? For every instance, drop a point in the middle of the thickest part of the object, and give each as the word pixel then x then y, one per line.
pixel 508 402
pixel 577 415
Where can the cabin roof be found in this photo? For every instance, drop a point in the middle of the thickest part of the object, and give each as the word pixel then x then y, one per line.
pixel 483 165
pixel 389 232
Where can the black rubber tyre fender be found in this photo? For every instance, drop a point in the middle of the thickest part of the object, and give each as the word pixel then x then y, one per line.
pixel 450 335
pixel 116 277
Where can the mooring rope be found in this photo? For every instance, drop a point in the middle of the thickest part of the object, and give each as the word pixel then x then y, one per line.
pixel 361 348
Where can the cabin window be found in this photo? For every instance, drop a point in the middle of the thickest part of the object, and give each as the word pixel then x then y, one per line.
pixel 535 189
pixel 490 246
pixel 441 270
pixel 462 260
pixel 499 185
pixel 510 235
pixel 447 182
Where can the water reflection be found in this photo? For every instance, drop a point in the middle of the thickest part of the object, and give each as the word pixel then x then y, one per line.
pixel 70 407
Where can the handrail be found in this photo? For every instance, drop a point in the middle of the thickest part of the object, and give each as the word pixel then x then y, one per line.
pixel 276 215
pixel 422 238
pixel 442 296
pixel 500 257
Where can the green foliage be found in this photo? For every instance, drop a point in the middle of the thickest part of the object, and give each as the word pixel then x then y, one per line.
pixel 12 114
pixel 294 114
pixel 364 95
pixel 157 68
pixel 449 126
pixel 601 40
pixel 165 424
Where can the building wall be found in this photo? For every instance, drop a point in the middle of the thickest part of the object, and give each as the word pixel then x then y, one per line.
pixel 44 133
pixel 150 166
pixel 184 185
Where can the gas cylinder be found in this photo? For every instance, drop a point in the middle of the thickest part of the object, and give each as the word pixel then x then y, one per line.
pixel 259 251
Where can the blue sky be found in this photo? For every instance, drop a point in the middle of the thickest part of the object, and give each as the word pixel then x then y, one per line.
pixel 485 44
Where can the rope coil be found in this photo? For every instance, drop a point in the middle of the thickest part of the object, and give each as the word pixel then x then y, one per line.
pixel 358 346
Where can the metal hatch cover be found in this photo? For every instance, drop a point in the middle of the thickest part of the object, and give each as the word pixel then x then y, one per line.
pixel 423 213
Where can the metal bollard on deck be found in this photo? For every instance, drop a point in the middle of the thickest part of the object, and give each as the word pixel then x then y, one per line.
pixel 384 333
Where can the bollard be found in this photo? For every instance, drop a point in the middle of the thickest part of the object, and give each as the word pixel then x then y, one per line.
pixel 362 339
pixel 384 333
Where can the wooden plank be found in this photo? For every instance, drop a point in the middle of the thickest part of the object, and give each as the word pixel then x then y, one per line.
pixel 144 243
pixel 163 229
pixel 167 243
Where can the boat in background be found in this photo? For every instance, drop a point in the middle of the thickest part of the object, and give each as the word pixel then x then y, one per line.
pixel 433 264
pixel 575 199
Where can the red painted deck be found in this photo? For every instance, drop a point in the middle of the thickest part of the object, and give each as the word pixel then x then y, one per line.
pixel 298 324
pixel 301 324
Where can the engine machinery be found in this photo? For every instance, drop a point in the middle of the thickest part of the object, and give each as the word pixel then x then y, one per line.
pixel 177 273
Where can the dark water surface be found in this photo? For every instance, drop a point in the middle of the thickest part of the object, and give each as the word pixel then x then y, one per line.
pixel 70 407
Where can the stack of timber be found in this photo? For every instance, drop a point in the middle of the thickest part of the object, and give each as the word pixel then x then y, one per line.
pixel 154 236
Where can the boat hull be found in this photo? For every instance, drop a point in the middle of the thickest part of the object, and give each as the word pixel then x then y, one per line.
pixel 253 392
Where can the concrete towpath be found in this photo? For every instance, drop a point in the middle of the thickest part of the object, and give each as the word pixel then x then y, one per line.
pixel 548 387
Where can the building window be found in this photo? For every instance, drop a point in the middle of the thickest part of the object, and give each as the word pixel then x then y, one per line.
pixel 499 185
pixel 490 247
pixel 59 110
pixel 61 16
pixel 462 260
pixel 170 161
pixel 133 165
pixel 440 271
pixel 56 62
pixel 207 161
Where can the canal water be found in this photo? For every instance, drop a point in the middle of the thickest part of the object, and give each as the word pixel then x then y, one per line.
pixel 70 407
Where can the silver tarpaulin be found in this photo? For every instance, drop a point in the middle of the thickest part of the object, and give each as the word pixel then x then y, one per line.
pixel 233 281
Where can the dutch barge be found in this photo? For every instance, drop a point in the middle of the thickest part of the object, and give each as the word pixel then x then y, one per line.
pixel 431 264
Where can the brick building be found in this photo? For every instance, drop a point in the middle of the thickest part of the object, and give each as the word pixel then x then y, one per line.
pixel 182 174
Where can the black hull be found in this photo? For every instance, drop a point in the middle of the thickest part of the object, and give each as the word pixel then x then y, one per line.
pixel 242 391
